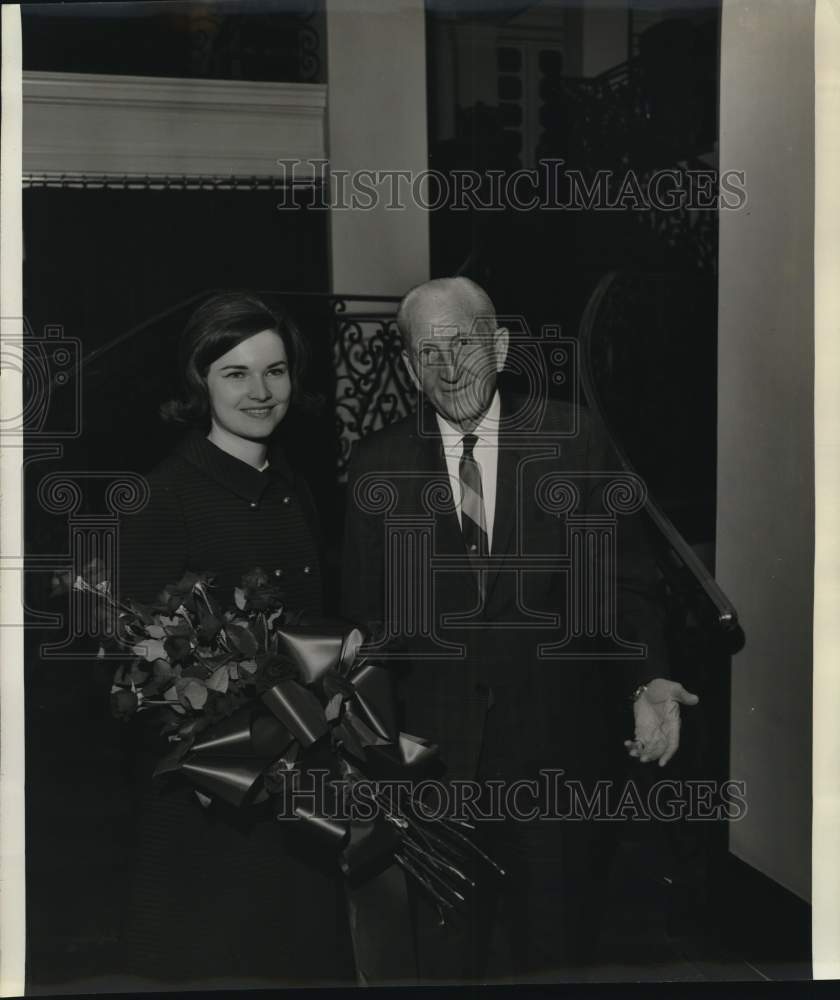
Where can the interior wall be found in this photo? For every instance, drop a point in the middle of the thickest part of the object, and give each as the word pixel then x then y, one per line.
pixel 825 877
pixel 765 497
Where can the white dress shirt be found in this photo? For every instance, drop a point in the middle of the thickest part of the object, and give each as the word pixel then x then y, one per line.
pixel 486 454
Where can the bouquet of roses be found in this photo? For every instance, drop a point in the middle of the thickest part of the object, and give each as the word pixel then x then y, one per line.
pixel 259 704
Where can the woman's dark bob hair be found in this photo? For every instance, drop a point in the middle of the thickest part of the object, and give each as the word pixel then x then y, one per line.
pixel 216 327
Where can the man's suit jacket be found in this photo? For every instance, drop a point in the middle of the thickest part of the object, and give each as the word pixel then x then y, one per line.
pixel 553 469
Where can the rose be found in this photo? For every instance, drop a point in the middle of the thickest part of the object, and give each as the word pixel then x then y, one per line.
pixel 257 592
pixel 263 600
pixel 93 573
pixel 178 648
pixel 273 668
pixel 255 579
pixel 124 703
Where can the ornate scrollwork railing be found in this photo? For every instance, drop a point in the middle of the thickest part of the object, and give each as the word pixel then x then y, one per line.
pixel 643 116
pixel 372 386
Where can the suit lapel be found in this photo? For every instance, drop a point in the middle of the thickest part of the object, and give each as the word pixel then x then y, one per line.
pixel 507 500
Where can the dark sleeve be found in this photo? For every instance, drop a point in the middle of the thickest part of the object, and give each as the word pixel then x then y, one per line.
pixel 153 545
pixel 640 611
pixel 362 576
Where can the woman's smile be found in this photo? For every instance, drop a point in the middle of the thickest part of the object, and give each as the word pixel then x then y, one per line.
pixel 259 412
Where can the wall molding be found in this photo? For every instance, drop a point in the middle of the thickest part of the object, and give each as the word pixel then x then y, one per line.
pixel 93 124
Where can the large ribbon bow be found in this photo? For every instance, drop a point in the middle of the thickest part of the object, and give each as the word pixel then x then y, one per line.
pixel 336 714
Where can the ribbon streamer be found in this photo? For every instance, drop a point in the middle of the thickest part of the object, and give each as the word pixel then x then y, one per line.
pixel 261 751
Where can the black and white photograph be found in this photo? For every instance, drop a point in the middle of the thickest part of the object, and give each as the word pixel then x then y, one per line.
pixel 415 412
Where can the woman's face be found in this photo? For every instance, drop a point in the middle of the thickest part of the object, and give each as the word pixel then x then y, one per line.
pixel 250 387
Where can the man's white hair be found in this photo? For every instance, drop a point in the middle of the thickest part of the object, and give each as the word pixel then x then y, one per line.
pixel 463 292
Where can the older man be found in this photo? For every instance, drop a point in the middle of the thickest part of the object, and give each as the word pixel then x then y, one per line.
pixel 474 594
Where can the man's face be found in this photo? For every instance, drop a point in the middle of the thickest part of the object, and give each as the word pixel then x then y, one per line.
pixel 454 361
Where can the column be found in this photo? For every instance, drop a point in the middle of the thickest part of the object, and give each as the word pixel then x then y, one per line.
pixel 376 120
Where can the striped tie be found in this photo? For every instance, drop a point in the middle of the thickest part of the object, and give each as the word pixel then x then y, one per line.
pixel 473 524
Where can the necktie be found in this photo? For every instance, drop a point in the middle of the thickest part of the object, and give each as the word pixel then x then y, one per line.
pixel 473 523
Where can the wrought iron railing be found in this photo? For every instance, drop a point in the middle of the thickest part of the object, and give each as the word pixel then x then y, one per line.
pixel 372 385
pixel 645 115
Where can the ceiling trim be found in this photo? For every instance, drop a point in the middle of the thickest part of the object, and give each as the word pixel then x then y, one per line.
pixel 96 124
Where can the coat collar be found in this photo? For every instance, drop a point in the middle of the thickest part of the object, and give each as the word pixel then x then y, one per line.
pixel 232 473
pixel 509 406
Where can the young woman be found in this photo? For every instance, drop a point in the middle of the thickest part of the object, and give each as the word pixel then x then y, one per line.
pixel 219 896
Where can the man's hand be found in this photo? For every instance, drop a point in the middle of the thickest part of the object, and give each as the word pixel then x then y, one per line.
pixel 657 714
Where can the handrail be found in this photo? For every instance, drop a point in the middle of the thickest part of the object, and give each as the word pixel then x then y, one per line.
pixel 727 616
pixel 198 296
pixel 127 334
